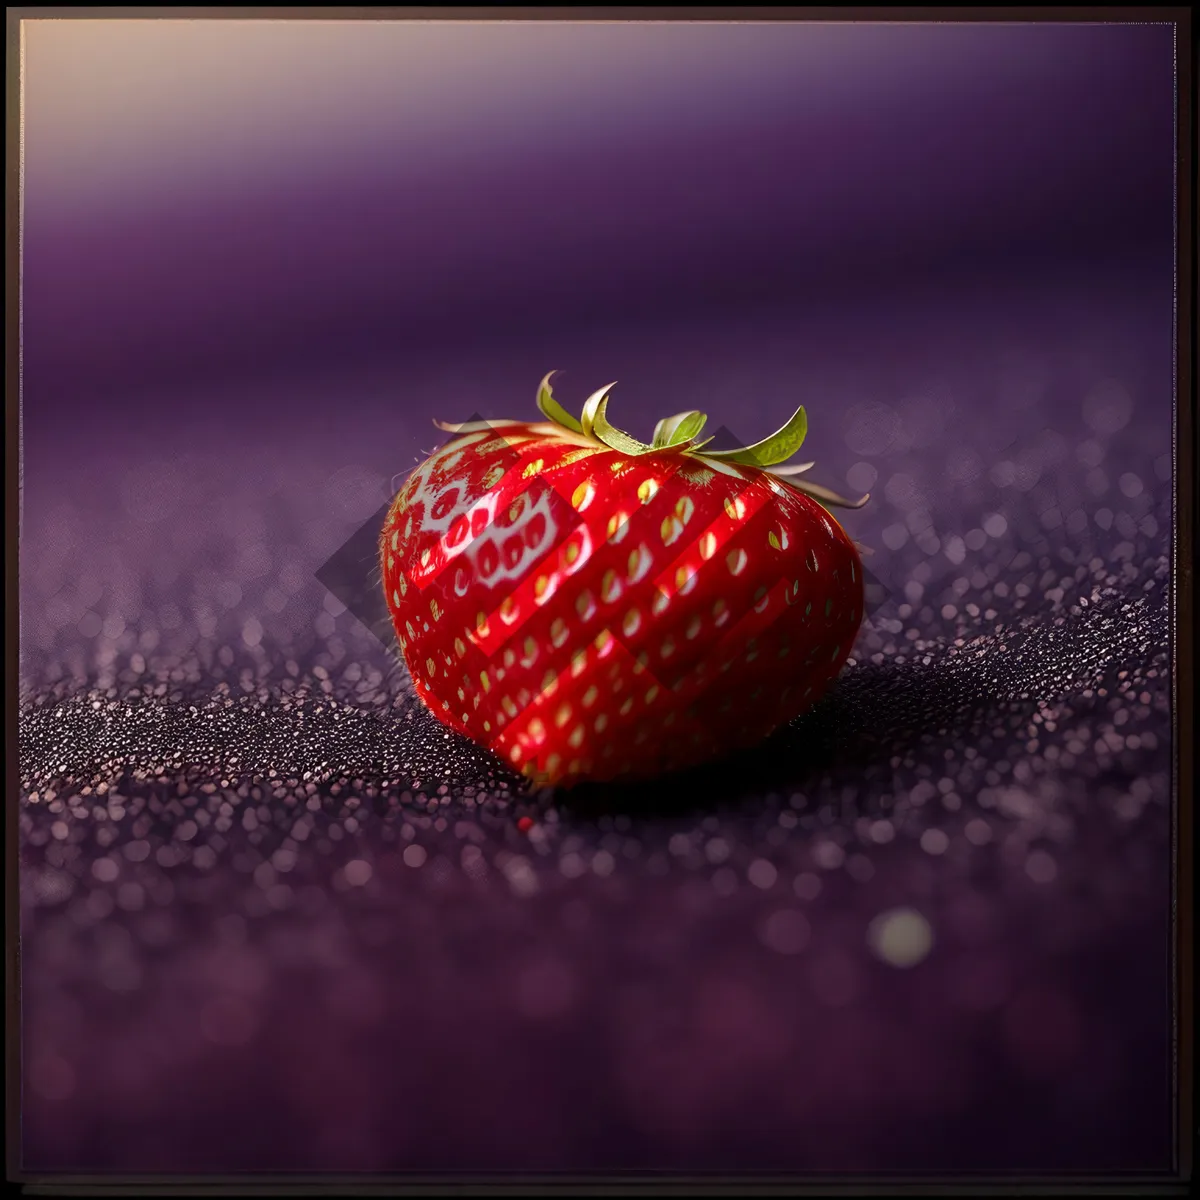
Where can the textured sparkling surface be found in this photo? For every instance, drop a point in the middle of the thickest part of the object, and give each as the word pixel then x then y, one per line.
pixel 274 917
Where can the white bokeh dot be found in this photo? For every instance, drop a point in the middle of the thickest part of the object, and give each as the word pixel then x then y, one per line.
pixel 901 937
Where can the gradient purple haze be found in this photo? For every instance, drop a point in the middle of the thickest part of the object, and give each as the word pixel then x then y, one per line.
pixel 204 201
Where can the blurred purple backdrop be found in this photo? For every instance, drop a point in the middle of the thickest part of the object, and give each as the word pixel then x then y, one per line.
pixel 209 203
pixel 258 258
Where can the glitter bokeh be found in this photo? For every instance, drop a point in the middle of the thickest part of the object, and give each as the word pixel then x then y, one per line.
pixel 275 918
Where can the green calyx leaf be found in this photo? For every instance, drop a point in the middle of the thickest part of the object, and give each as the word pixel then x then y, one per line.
pixel 682 427
pixel 551 408
pixel 596 424
pixel 471 426
pixel 827 498
pixel 680 434
pixel 779 447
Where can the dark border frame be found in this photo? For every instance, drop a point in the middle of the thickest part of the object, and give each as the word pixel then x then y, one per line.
pixel 1183 647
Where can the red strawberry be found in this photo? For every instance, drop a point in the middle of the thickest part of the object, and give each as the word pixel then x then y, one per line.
pixel 590 607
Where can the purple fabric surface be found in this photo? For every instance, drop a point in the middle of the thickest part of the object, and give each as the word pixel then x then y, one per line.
pixel 274 918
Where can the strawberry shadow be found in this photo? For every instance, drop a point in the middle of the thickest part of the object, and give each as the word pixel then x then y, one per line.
pixel 877 720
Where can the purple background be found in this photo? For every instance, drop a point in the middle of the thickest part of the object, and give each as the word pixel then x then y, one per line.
pixel 209 205
pixel 258 259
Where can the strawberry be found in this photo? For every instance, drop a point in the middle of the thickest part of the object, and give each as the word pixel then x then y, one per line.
pixel 593 608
